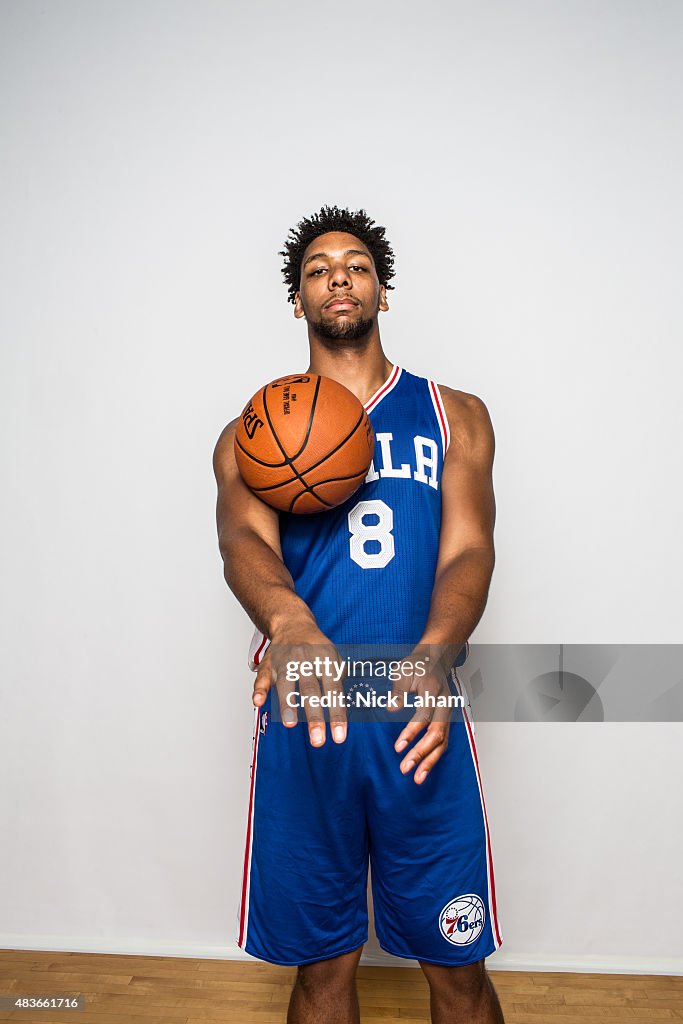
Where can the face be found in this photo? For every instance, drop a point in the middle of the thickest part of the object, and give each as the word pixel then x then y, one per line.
pixel 339 292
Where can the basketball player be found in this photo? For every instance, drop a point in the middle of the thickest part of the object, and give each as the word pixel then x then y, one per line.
pixel 407 559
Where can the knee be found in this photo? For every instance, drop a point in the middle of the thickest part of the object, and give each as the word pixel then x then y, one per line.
pixel 457 983
pixel 328 975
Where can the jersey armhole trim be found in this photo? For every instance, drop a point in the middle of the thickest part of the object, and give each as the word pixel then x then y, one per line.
pixel 442 418
pixel 257 648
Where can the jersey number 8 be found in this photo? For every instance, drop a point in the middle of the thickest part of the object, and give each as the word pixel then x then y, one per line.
pixel 378 531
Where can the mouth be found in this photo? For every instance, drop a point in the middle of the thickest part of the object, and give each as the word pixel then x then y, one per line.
pixel 342 304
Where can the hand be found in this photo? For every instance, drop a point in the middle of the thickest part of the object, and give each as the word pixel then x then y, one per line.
pixel 425 673
pixel 291 646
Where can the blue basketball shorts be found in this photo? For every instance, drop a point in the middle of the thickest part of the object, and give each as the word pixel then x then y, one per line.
pixel 319 816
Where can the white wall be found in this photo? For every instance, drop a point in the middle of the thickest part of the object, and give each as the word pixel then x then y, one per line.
pixel 526 160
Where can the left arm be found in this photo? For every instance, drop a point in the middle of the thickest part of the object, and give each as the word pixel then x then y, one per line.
pixel 464 567
pixel 468 513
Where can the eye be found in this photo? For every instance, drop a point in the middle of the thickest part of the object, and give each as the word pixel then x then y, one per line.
pixel 356 267
pixel 314 273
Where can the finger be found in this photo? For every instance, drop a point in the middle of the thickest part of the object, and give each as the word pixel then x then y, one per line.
pixel 428 762
pixel 331 683
pixel 285 681
pixel 435 736
pixel 263 682
pixel 412 729
pixel 310 698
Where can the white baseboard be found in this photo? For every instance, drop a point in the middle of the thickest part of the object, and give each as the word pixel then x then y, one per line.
pixel 500 961
pixel 560 964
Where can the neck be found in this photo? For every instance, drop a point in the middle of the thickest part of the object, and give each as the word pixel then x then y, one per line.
pixel 362 370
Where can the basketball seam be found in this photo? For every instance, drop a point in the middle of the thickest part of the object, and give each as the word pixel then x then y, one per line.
pixel 300 495
pixel 330 480
pixel 314 402
pixel 268 465
pixel 290 461
pixel 310 420
pixel 335 449
pixel 305 472
pixel 319 483
pixel 311 489
pixel 281 465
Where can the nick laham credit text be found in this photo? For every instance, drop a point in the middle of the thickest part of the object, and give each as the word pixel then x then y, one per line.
pixel 372 699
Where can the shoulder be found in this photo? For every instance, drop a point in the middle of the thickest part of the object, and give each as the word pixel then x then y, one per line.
pixel 468 419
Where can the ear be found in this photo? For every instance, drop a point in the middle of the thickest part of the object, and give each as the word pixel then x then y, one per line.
pixel 298 306
pixel 383 304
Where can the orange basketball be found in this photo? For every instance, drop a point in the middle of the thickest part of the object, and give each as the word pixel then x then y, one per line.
pixel 304 443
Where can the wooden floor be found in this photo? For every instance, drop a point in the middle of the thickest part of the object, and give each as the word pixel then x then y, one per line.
pixel 168 990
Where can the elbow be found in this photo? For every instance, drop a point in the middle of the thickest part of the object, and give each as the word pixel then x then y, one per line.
pixel 229 553
pixel 482 553
pixel 474 563
pixel 230 572
pixel 488 561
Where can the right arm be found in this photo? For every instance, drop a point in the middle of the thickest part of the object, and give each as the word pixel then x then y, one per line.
pixel 249 542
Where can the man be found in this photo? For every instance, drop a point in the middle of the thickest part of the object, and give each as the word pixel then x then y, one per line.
pixel 407 560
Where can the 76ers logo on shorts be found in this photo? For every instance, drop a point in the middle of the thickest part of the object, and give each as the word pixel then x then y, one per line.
pixel 462 920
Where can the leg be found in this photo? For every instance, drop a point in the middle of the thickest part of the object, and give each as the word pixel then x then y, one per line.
pixel 462 994
pixel 304 799
pixel 432 870
pixel 325 992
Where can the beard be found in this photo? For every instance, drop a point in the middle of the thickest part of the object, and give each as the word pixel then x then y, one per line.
pixel 342 330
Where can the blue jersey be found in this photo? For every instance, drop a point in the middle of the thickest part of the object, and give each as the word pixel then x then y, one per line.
pixel 366 568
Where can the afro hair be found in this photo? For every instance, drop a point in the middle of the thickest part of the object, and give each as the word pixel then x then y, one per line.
pixel 331 218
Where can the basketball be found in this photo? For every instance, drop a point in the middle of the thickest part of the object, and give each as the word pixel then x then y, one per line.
pixel 304 443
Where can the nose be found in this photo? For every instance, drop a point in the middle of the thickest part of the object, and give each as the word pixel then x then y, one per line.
pixel 339 276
